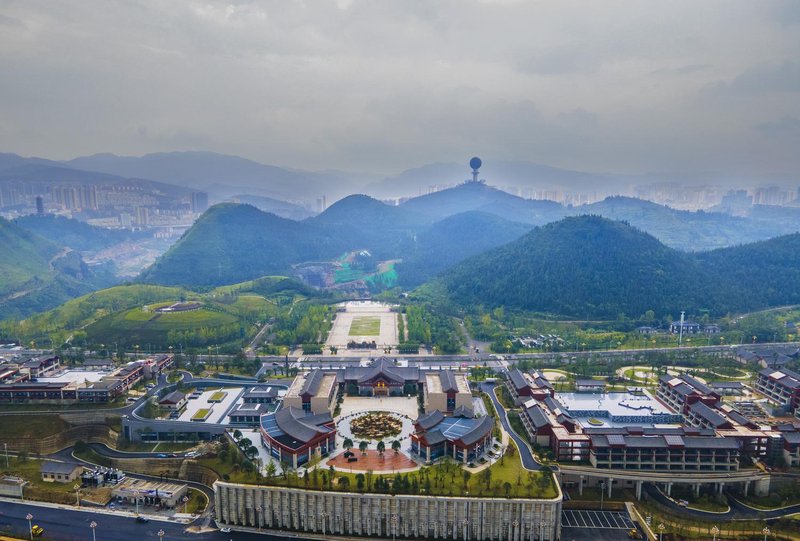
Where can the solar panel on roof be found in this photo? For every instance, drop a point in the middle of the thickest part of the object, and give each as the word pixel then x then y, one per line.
pixel 616 439
pixel 674 440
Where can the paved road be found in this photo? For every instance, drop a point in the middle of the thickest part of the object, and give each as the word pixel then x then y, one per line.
pixel 737 510
pixel 73 525
pixel 528 461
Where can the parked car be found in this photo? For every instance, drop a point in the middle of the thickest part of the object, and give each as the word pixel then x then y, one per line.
pixel 37 530
pixel 142 520
pixel 634 534
pixel 683 503
pixel 161 455
pixel 225 530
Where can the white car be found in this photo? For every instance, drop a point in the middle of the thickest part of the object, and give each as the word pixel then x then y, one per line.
pixel 225 530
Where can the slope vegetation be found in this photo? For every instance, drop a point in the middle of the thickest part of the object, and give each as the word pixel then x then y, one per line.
pixel 591 267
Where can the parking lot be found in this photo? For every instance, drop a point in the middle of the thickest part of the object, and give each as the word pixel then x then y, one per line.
pixel 596 519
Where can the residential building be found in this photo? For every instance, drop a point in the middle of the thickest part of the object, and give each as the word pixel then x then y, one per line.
pixel 781 387
pixel 60 472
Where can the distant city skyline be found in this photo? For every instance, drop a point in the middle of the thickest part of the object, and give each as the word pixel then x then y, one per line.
pixel 620 87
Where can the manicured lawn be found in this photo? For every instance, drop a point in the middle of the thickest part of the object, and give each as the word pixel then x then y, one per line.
pixel 219 396
pixel 365 326
pixel 201 414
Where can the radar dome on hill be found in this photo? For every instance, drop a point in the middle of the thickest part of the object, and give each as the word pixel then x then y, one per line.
pixel 475 163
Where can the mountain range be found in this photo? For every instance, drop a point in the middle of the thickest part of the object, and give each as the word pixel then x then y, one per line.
pixel 591 267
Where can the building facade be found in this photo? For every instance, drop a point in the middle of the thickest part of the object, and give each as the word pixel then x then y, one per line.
pixel 384 515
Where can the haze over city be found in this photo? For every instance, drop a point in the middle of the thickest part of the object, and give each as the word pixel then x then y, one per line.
pixel 703 91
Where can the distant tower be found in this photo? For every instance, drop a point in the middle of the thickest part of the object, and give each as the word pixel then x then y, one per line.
pixel 475 163
pixel 39 205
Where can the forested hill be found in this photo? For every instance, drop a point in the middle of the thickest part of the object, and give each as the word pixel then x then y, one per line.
pixel 36 274
pixel 73 233
pixel 592 267
pixel 452 240
pixel 232 243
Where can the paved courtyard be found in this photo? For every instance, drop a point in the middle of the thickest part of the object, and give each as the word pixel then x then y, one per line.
pixel 340 333
pixel 390 461
pixel 396 404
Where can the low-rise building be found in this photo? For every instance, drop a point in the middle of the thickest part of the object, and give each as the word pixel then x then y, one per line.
pixel 12 487
pixel 313 392
pixel 40 366
pixel 781 387
pixel 664 453
pixel 523 386
pixel 446 391
pixel 679 392
pixel 261 394
pixel 461 436
pixel 248 414
pixel 174 401
pixel 590 386
pixel 60 472
pixel 293 437
pixel 158 493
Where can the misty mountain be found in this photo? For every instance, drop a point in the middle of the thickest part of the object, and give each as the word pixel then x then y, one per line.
pixel 74 234
pixel 38 274
pixel 681 229
pixel 523 175
pixel 13 161
pixel 209 170
pixel 232 243
pixel 452 240
pixel 592 267
pixel 484 198
pixel 284 209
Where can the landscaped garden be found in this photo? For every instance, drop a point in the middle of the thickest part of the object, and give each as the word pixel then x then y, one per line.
pixel 376 426
pixel 365 326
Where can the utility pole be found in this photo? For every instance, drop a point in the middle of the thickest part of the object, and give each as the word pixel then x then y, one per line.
pixel 680 331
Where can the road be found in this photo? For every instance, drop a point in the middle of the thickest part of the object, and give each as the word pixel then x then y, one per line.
pixel 737 510
pixel 73 525
pixel 525 453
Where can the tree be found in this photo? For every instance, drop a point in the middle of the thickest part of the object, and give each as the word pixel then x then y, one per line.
pixel 487 476
pixel 381 447
pixel 360 478
pixel 466 475
pixel 344 482
pixel 271 469
pixel 244 443
pixel 363 446
pixel 396 446
pixel 251 452
pixel 237 434
pixel 347 444
pixel 507 488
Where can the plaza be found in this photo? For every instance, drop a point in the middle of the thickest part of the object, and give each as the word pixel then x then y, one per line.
pixel 363 316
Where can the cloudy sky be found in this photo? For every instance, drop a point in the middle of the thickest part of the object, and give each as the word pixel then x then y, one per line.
pixel 382 86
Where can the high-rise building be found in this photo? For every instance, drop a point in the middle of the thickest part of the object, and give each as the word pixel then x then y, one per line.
pixel 39 205
pixel 142 216
pixel 199 202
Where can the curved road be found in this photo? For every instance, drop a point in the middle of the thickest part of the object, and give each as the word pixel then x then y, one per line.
pixel 525 453
pixel 737 511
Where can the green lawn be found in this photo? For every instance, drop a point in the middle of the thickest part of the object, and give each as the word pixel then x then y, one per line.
pixel 219 396
pixel 365 326
pixel 201 414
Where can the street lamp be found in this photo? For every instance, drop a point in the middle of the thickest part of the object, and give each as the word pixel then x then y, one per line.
pixel 136 499
pixel 5 446
pixel 394 526
pixel 93 525
pixel 77 489
pixel 514 525
pixel 29 518
pixel 185 501
pixel 765 531
pixel 602 491
pixel 661 529
pixel 465 522
pixel 715 532
pixel 160 535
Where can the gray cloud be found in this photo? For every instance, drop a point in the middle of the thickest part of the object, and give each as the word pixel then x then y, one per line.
pixel 371 85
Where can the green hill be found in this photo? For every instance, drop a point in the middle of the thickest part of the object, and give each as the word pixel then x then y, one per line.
pixel 591 267
pixel 232 243
pixel 73 233
pixel 37 274
pixel 452 240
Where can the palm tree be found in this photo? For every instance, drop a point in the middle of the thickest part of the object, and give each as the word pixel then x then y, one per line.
pixel 396 446
pixel 363 446
pixel 381 447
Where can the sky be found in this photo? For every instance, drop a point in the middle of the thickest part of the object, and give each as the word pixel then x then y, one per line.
pixel 385 85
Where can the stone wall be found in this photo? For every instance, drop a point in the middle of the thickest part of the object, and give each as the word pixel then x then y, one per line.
pixel 382 515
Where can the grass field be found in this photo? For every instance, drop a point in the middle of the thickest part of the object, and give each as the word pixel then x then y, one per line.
pixel 141 326
pixel 201 414
pixel 219 396
pixel 365 326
